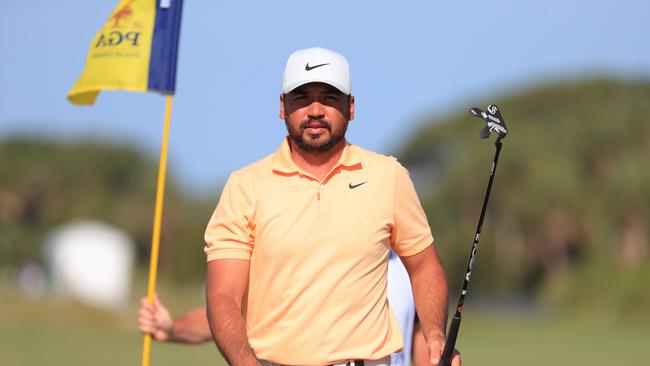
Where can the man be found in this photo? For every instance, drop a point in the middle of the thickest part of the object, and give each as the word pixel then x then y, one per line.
pixel 193 328
pixel 298 245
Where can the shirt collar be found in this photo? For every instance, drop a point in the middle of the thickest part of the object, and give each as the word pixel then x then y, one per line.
pixel 283 163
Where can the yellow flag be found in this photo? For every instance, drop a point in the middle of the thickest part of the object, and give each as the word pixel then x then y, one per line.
pixel 120 55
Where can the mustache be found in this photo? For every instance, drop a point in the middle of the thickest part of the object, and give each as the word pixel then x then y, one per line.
pixel 316 122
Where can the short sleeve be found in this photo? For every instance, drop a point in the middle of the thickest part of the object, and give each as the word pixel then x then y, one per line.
pixel 410 233
pixel 229 234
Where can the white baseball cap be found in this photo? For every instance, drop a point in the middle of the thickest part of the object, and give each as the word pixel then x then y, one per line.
pixel 317 65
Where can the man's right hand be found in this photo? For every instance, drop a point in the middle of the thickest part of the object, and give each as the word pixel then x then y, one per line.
pixel 155 319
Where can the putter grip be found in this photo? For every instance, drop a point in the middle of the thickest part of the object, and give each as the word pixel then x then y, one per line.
pixel 450 344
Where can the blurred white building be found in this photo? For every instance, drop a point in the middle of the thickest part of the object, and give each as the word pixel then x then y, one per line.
pixel 91 262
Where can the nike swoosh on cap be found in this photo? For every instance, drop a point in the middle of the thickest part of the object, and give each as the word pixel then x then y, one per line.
pixel 308 68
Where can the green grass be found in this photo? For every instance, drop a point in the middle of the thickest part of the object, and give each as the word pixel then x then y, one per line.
pixel 486 339
pixel 55 332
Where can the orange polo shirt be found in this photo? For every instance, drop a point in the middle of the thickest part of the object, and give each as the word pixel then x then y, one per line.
pixel 318 253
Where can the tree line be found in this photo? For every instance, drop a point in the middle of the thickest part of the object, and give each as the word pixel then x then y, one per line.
pixel 569 214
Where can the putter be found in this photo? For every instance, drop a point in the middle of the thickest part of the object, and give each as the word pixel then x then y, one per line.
pixel 494 123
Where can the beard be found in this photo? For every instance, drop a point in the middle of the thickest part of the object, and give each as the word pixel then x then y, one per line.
pixel 312 143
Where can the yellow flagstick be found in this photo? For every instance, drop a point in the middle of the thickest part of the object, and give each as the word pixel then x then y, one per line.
pixel 155 238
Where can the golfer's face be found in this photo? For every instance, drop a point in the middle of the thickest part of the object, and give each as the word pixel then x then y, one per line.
pixel 316 115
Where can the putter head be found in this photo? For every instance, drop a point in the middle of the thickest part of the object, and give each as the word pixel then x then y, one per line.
pixel 493 121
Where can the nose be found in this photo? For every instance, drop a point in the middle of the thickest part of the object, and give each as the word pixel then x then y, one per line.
pixel 316 110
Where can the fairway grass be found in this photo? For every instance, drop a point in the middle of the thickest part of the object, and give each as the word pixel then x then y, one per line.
pixel 486 339
pixel 55 332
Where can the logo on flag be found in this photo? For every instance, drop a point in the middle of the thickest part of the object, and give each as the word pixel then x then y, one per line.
pixel 124 12
pixel 116 36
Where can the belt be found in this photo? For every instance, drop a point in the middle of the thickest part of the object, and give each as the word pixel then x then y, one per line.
pixel 351 363
pixel 381 362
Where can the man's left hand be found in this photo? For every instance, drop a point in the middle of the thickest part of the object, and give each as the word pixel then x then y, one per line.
pixel 436 346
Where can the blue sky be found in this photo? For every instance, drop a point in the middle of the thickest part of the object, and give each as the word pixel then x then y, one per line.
pixel 410 60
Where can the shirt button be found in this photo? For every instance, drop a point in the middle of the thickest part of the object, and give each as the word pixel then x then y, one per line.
pixel 322 186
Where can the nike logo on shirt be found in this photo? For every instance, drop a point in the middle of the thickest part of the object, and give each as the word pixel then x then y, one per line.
pixel 353 186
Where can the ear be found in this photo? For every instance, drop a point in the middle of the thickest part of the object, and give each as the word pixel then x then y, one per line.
pixel 351 111
pixel 282 113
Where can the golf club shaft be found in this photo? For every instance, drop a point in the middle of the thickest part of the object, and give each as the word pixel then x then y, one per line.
pixel 452 334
